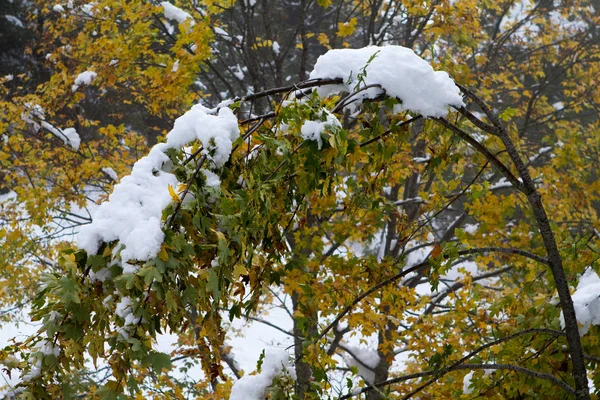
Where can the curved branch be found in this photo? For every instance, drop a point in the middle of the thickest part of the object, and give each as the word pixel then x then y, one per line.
pixel 459 365
pixel 555 261
pixel 507 250
pixel 374 289
pixel 483 150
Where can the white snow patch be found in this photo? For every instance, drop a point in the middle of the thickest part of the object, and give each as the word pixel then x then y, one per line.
pixel 212 179
pixel 14 20
pixel 422 160
pixel 58 8
pixel 586 301
pixel 221 32
pixel 132 215
pixel 471 229
pixel 254 387
pixel 111 173
pixel 398 70
pixel 312 130
pixel 176 14
pixel 10 196
pixel 175 66
pixel 276 48
pixel 69 136
pixel 84 78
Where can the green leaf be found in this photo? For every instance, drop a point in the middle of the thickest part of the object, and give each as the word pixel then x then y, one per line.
pixel 159 361
pixel 508 114
pixel 171 301
pixel 150 274
pixel 68 292
pixel 260 361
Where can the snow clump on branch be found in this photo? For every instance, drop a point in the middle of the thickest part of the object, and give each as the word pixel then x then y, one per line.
pixel 254 387
pixel 586 301
pixel 395 69
pixel 84 78
pixel 132 215
pixel 176 14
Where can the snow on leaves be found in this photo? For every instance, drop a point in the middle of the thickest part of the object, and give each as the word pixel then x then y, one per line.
pixel 396 70
pixel 134 211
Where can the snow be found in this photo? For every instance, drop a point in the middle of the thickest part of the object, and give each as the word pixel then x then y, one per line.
pixel 221 32
pixel 36 118
pixel 11 195
pixel 88 9
pixel 586 301
pixel 84 78
pixel 14 20
pixel 239 73
pixel 467 383
pixel 501 184
pixel 365 360
pixel 176 13
pixel 123 307
pixel 421 160
pixel 34 113
pixel 47 348
pixel 132 215
pixel 111 173
pixel 312 130
pixel 212 179
pixel 34 372
pixel 539 153
pixel 58 8
pixel 130 268
pixel 69 136
pixel 276 48
pixel 398 70
pixel 175 66
pixel 254 387
pixel 471 229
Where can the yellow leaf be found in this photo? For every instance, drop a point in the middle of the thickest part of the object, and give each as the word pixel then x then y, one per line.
pixel 323 40
pixel 238 270
pixel 173 194
pixel 347 28
pixel 163 255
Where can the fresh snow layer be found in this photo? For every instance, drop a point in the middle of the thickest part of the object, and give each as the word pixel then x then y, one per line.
pixel 14 20
pixel 132 215
pixel 254 387
pixel 84 78
pixel 36 117
pixel 586 301
pixel 69 136
pixel 111 173
pixel 175 13
pixel 312 130
pixel 398 70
